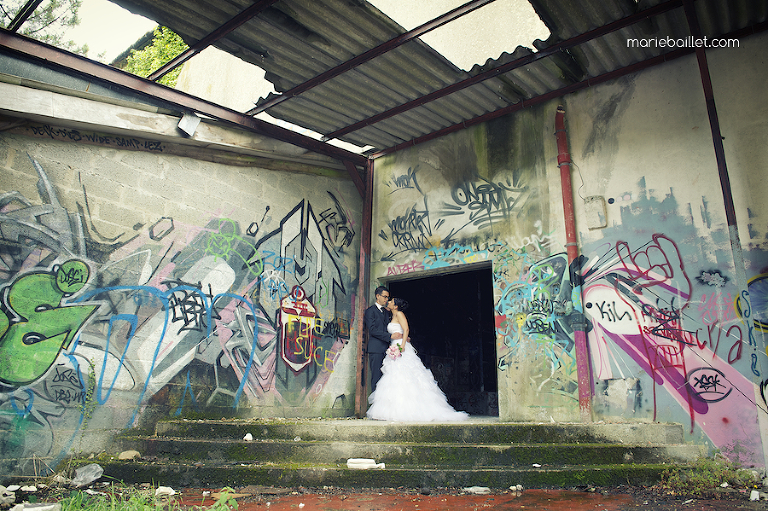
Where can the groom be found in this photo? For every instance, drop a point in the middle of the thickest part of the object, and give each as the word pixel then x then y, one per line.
pixel 375 321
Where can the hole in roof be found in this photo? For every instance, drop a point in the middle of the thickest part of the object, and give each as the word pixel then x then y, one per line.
pixel 500 26
pixel 313 134
pixel 222 73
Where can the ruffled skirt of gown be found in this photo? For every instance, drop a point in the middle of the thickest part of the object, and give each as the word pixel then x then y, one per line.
pixel 407 392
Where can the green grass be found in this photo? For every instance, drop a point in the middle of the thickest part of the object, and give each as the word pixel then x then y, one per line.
pixel 132 499
pixel 707 475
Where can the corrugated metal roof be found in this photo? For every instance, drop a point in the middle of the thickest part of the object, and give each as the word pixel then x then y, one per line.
pixel 296 40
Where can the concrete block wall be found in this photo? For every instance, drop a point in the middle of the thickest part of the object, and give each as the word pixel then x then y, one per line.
pixel 143 284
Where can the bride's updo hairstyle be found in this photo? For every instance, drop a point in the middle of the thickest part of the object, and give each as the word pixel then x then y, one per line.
pixel 402 305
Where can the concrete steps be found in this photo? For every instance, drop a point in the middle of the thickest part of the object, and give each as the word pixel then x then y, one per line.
pixel 481 452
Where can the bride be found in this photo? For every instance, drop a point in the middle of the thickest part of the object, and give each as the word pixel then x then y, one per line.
pixel 407 391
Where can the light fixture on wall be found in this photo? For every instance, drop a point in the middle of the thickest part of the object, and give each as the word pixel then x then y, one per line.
pixel 188 123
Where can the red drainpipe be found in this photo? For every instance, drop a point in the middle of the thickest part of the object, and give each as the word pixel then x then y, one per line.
pixel 582 354
pixel 361 301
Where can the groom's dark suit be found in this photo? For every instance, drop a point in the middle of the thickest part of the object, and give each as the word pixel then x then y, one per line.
pixel 375 322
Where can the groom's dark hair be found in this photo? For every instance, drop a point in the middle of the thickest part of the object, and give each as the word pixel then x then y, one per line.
pixel 380 290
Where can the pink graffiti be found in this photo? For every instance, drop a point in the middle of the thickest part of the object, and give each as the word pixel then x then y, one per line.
pixel 399 269
pixel 717 307
pixel 715 337
pixel 650 292
pixel 654 266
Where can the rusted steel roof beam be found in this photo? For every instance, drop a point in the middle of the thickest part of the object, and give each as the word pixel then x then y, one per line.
pixel 69 61
pixel 714 123
pixel 211 38
pixel 371 54
pixel 537 100
pixel 352 171
pixel 517 63
pixel 589 82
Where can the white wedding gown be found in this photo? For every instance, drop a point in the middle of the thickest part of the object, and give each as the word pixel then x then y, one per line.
pixel 407 391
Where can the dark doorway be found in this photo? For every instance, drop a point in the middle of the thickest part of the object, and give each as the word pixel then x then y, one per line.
pixel 452 328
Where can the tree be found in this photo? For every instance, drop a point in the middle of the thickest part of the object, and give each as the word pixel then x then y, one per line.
pixel 165 46
pixel 48 23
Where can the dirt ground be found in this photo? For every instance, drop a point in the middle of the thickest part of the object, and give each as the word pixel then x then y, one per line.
pixel 619 498
pixel 460 499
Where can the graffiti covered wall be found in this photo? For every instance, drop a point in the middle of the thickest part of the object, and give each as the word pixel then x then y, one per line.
pixel 672 334
pixel 138 285
pixel 483 196
pixel 675 313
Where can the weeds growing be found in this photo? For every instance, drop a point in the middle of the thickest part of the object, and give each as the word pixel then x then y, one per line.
pixel 707 475
pixel 131 499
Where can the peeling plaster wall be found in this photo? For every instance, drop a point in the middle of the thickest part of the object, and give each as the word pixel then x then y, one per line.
pixel 672 335
pixel 140 285
pixel 661 290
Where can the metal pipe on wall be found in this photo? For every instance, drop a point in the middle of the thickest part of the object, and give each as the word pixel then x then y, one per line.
pixel 364 280
pixel 583 372
pixel 743 302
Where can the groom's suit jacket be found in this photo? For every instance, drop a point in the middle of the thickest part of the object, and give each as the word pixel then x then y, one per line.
pixel 375 321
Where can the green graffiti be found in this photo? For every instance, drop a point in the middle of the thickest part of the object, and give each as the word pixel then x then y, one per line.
pixel 224 244
pixel 40 326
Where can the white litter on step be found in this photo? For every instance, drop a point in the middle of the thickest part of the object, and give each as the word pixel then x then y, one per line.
pixel 164 490
pixel 363 463
pixel 478 490
pixel 26 506
pixel 248 437
pixel 755 495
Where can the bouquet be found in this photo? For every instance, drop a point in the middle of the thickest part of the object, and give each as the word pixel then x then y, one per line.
pixel 394 351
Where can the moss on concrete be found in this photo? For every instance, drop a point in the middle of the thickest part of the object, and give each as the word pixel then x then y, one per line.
pixel 314 452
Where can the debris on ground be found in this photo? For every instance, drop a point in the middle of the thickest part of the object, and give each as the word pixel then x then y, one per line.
pixel 7 497
pixel 53 489
pixel 86 475
pixel 478 490
pixel 129 455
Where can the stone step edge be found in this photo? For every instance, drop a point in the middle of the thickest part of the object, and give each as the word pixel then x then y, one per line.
pixel 217 440
pixel 411 477
pixel 214 464
pixel 375 425
pixel 371 424
pixel 371 430
pixel 487 421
